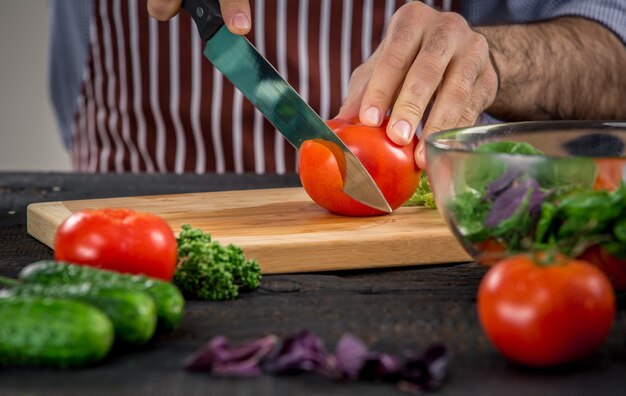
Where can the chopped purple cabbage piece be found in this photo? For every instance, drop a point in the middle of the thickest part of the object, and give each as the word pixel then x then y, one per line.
pixel 305 351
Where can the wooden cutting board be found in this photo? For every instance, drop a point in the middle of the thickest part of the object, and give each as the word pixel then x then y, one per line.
pixel 283 229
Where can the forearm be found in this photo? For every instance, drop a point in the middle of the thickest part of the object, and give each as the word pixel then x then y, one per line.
pixel 567 68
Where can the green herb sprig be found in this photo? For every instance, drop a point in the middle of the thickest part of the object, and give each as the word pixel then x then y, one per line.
pixel 423 195
pixel 206 270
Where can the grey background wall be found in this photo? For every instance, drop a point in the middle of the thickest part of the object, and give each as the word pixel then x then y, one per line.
pixel 28 136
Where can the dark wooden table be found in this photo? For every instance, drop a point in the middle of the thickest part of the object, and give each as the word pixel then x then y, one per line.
pixel 389 309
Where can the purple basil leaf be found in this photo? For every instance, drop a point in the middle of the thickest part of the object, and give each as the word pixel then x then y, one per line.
pixel 218 357
pixel 426 370
pixel 204 357
pixel 536 199
pixel 246 368
pixel 437 358
pixel 303 351
pixel 502 183
pixel 350 356
pixel 505 204
pixel 381 367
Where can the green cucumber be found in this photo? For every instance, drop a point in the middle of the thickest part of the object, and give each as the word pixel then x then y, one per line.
pixel 50 332
pixel 167 297
pixel 132 312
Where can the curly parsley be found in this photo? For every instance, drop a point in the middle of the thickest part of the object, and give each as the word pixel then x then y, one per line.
pixel 207 270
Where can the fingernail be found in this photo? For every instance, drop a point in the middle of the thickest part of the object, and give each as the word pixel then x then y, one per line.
pixel 372 116
pixel 240 21
pixel 402 129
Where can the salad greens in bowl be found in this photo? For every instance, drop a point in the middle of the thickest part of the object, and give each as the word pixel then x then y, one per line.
pixel 555 186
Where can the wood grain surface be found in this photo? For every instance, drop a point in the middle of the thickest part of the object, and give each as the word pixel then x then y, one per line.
pixel 283 229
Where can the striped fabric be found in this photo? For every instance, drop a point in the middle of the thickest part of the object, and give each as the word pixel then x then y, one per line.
pixel 150 102
pixel 117 125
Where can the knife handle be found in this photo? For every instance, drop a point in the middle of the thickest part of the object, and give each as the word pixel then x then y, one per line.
pixel 206 14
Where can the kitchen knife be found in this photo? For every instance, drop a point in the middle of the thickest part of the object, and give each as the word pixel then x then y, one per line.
pixel 263 86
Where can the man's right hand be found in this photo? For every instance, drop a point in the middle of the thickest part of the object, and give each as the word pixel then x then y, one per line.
pixel 236 13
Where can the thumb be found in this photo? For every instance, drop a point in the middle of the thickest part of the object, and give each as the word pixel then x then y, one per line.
pixel 236 15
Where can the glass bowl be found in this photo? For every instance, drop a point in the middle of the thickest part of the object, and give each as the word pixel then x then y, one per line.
pixel 531 186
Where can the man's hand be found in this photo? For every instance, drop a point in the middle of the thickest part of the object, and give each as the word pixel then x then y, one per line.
pixel 236 13
pixel 425 55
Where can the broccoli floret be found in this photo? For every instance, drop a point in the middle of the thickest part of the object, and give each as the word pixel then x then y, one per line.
pixel 423 196
pixel 207 270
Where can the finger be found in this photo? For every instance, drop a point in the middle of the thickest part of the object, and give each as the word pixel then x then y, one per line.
pixel 455 92
pixel 356 88
pixel 472 111
pixel 397 53
pixel 481 98
pixel 236 15
pixel 424 77
pixel 163 10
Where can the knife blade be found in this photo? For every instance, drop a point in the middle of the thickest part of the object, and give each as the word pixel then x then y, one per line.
pixel 239 61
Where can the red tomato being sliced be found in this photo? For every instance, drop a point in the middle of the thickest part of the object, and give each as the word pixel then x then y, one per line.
pixel 545 315
pixel 391 166
pixel 120 240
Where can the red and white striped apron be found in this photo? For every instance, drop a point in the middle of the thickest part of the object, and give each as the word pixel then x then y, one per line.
pixel 151 103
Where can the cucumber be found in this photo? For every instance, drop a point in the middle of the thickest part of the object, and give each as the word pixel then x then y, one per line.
pixel 132 312
pixel 167 297
pixel 41 331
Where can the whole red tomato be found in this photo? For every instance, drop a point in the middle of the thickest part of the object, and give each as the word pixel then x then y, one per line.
pixel 613 267
pixel 118 239
pixel 492 251
pixel 391 166
pixel 545 314
pixel 609 174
